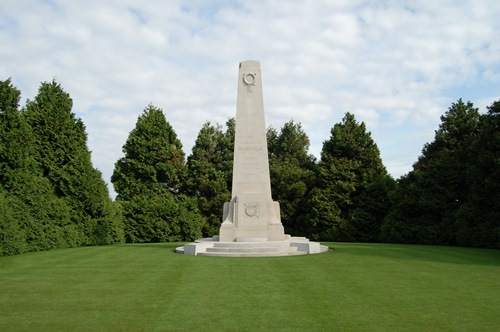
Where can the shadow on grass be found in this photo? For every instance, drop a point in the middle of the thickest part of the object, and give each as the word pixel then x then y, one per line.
pixel 170 246
pixel 441 254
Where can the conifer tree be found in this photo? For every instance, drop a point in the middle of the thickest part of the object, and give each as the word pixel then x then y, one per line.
pixel 15 138
pixel 428 197
pixel 62 157
pixel 292 173
pixel 15 142
pixel 50 196
pixel 210 173
pixel 478 218
pixel 32 216
pixel 148 181
pixel 350 198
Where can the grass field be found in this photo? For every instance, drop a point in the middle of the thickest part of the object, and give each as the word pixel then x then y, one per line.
pixel 356 287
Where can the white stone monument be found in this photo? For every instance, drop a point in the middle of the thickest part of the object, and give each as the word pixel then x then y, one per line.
pixel 251 215
pixel 251 222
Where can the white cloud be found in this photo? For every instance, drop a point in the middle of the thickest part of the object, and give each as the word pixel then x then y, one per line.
pixel 396 66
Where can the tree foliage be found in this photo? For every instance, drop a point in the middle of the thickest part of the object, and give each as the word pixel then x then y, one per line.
pixel 15 135
pixel 210 172
pixel 148 181
pixel 292 173
pixel 51 197
pixel 451 195
pixel 350 198
pixel 63 157
pixel 153 159
pixel 478 218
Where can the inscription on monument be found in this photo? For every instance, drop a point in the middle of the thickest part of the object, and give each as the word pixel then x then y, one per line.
pixel 252 166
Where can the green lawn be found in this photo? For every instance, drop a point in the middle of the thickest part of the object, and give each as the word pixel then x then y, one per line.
pixel 357 287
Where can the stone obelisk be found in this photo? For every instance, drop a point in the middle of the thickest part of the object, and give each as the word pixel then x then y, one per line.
pixel 251 222
pixel 251 215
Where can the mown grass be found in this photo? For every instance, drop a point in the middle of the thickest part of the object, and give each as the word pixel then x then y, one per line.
pixel 356 287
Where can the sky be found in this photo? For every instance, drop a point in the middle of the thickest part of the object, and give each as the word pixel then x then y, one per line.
pixel 396 65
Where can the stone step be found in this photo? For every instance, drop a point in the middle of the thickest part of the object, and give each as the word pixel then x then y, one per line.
pixel 290 246
pixel 251 254
pixel 253 249
pixel 277 244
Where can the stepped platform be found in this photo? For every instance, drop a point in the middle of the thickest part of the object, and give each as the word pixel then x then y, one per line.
pixel 252 247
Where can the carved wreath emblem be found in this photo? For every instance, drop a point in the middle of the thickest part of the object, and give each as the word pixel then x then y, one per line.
pixel 249 80
pixel 252 210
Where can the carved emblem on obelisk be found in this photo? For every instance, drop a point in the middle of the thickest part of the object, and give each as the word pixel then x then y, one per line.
pixel 252 209
pixel 249 80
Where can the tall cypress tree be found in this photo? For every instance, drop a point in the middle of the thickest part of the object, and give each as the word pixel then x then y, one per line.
pixel 350 200
pixel 428 198
pixel 210 172
pixel 15 136
pixel 292 173
pixel 62 157
pixel 15 145
pixel 478 219
pixel 51 196
pixel 32 217
pixel 148 181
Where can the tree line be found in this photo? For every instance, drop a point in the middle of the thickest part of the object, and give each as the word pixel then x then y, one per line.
pixel 52 197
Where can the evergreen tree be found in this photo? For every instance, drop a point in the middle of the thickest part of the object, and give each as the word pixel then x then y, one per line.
pixel 148 181
pixel 292 173
pixel 32 217
pixel 428 198
pixel 51 196
pixel 478 218
pixel 15 138
pixel 350 198
pixel 153 160
pixel 227 148
pixel 14 156
pixel 62 157
pixel 210 173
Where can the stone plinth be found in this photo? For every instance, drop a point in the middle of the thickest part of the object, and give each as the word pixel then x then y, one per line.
pixel 291 246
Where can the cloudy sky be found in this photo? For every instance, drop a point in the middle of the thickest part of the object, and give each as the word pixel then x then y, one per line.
pixel 397 65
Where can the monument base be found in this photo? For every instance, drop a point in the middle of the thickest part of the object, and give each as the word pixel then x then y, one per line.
pixel 252 247
pixel 251 216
